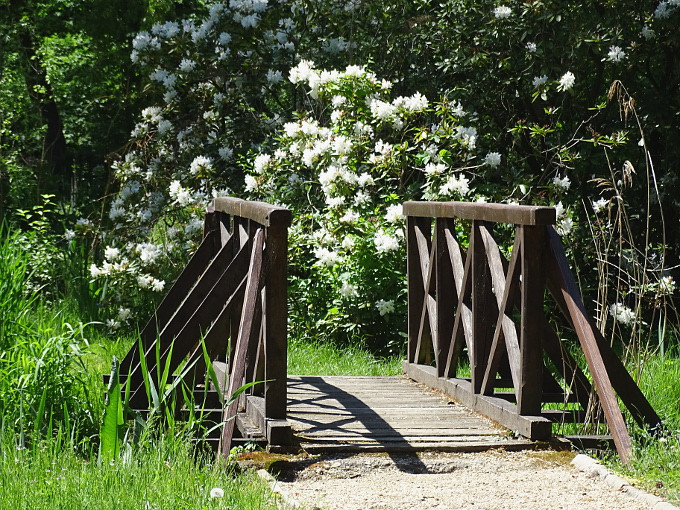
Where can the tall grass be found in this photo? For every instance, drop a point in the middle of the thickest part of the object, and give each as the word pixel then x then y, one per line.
pixel 163 475
pixel 316 358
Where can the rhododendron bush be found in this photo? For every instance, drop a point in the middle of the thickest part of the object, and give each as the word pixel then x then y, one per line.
pixel 343 110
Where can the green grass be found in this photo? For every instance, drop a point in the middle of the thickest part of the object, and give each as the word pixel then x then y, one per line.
pixel 657 459
pixel 164 475
pixel 315 358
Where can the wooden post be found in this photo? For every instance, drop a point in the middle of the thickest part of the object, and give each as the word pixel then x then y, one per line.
pixel 415 283
pixel 483 304
pixel 446 293
pixel 276 317
pixel 529 392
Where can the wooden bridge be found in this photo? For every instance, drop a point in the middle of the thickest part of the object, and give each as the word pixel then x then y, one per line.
pixel 468 306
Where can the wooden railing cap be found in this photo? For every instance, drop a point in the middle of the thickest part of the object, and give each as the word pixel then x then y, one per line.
pixel 496 213
pixel 261 212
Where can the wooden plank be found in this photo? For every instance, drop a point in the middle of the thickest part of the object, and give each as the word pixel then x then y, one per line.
pixel 535 428
pixel 427 329
pixel 533 290
pixel 495 213
pixel 183 331
pixel 185 281
pixel 265 214
pixel 483 308
pixel 415 283
pixel 505 333
pixel 559 273
pixel 250 310
pixel 462 323
pixel 276 320
pixel 446 297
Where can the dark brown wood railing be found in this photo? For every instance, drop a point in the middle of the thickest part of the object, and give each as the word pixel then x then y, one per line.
pixel 476 301
pixel 232 295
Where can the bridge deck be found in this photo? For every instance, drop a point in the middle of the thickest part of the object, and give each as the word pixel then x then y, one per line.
pixel 386 414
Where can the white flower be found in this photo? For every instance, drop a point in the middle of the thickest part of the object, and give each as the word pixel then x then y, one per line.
pixel 148 252
pixel 384 307
pixel 622 313
pixel 531 47
pixel 326 257
pixel 648 33
pixel 216 493
pixel 559 209
pixel 600 204
pixel 539 80
pixel 615 54
pixel 95 272
pixel 303 72
pixel 564 226
pixel 666 286
pixel 348 243
pixel 274 76
pixel 112 324
pixel 180 195
pixel 492 159
pixel 200 163
pixel 157 285
pixel 262 161
pixel 348 290
pixel 187 65
pixel 662 10
pixel 385 242
pixel 251 183
pixel 434 168
pixel 365 179
pixel 349 217
pixel 69 235
pixel 395 213
pixel 455 184
pixel 566 81
pixel 562 184
pixel 124 314
pixel 225 153
pixel 111 253
pixel 502 11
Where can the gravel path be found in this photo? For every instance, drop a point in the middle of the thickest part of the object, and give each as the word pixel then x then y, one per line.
pixel 490 480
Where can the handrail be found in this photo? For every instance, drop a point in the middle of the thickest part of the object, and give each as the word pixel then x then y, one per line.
pixel 263 213
pixel 472 298
pixel 496 213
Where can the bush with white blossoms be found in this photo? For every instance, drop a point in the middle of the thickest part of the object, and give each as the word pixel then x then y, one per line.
pixel 515 114
pixel 344 166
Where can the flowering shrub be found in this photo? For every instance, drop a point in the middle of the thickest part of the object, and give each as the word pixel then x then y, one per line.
pixel 343 166
pixel 534 80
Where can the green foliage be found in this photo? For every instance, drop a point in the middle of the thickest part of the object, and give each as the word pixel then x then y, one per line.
pixel 162 475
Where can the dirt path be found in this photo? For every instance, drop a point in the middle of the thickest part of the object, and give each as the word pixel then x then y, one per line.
pixel 490 480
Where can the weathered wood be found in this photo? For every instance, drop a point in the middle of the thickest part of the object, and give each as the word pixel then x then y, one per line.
pixel 483 307
pixel 276 320
pixel 495 213
pixel 531 352
pixel 265 214
pixel 563 280
pixel 505 333
pixel 246 332
pixel 446 295
pixel 351 414
pixel 536 428
pixel 415 285
pixel 195 267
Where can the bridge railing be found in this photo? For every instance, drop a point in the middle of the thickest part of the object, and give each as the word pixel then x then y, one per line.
pixel 231 299
pixel 465 296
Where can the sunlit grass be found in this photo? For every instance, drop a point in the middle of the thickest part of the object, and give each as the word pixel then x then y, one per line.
pixel 316 358
pixel 163 475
